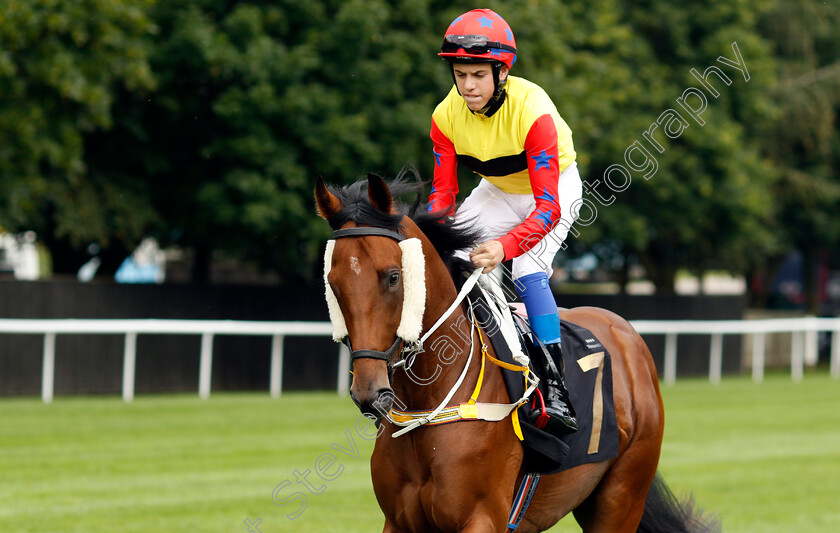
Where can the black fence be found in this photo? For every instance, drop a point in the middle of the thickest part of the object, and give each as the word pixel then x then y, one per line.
pixel 92 364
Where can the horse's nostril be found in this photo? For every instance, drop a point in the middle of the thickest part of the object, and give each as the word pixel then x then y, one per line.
pixel 384 401
pixel 377 405
pixel 355 400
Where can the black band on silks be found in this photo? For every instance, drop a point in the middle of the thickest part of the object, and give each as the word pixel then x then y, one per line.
pixel 367 232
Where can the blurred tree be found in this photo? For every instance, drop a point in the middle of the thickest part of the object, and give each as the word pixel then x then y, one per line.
pixel 60 63
pixel 254 100
pixel 695 200
pixel 205 122
pixel 804 141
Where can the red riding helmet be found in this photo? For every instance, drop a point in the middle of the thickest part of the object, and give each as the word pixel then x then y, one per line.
pixel 479 36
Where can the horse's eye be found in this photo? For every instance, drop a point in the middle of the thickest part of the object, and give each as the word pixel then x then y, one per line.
pixel 393 278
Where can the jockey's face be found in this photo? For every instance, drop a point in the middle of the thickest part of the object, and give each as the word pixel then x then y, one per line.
pixel 475 82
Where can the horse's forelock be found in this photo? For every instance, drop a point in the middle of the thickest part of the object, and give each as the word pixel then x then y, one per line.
pixel 358 209
pixel 445 236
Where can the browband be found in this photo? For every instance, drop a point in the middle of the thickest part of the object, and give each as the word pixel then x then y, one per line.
pixel 364 232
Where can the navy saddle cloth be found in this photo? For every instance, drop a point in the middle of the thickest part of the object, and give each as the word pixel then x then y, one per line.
pixel 588 375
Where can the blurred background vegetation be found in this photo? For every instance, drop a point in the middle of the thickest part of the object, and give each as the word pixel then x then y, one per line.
pixel 203 124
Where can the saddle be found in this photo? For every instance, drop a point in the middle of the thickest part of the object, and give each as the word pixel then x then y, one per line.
pixel 588 378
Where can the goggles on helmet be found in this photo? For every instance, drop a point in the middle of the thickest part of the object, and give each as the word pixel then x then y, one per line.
pixel 472 44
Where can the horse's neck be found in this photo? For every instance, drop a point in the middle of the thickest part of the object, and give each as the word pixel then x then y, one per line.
pixel 423 374
pixel 436 370
pixel 433 372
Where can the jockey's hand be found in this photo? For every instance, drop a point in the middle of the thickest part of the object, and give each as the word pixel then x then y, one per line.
pixel 488 255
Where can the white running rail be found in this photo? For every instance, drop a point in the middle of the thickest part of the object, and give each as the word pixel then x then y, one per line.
pixel 804 344
pixel 208 329
pixel 804 341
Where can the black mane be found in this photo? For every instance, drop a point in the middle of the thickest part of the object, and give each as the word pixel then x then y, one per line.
pixel 445 236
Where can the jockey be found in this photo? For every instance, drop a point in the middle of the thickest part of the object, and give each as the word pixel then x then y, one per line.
pixel 507 130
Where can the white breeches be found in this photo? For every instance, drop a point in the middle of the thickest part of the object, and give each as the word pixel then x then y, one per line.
pixel 497 212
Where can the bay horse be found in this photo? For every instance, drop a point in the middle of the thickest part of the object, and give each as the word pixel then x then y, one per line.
pixel 463 476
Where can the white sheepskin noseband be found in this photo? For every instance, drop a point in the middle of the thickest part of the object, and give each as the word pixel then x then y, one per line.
pixel 414 292
pixel 337 319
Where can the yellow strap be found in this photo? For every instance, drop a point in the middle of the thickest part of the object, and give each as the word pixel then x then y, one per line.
pixel 401 418
pixel 446 415
pixel 469 410
pixel 477 390
pixel 514 417
pixel 484 354
pixel 509 366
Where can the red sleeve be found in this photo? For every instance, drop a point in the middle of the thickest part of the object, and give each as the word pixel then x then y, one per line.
pixel 445 183
pixel 543 171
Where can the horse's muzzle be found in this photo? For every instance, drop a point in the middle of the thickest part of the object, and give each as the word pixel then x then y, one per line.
pixel 376 405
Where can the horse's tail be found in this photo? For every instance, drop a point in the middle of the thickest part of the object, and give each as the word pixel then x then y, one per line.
pixel 664 513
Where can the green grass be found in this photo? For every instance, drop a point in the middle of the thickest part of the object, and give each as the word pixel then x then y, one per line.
pixel 766 458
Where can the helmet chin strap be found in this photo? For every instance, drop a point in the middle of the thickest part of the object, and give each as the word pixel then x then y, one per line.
pixel 498 98
pixel 495 101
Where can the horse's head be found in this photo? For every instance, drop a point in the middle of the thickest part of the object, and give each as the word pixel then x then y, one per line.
pixel 375 288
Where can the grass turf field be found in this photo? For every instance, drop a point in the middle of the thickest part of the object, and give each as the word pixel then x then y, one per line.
pixel 765 458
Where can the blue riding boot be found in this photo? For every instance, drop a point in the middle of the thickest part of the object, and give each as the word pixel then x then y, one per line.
pixel 557 415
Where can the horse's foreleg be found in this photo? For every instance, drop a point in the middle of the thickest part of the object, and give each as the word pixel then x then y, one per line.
pixel 479 523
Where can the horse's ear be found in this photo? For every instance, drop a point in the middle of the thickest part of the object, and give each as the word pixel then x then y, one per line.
pixel 378 193
pixel 326 203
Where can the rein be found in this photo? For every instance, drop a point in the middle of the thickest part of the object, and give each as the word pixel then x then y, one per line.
pixel 472 409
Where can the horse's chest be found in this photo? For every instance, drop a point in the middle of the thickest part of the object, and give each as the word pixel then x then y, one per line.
pixel 437 487
pixel 412 491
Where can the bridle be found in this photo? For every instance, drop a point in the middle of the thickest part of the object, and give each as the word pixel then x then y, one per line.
pixel 413 268
pixel 388 354
pixel 408 333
